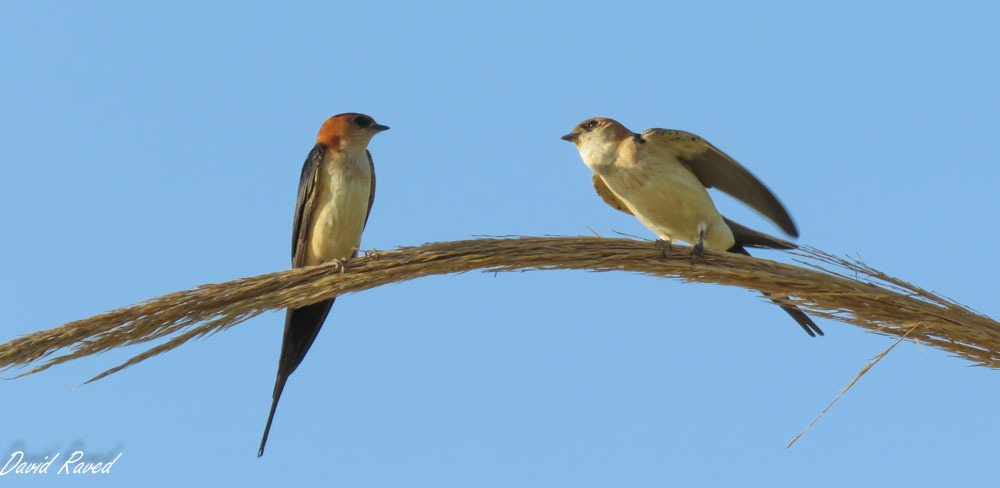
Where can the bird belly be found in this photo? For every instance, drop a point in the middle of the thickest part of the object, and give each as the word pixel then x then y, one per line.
pixel 341 213
pixel 673 204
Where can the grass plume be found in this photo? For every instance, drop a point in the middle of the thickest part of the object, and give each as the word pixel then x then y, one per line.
pixel 824 285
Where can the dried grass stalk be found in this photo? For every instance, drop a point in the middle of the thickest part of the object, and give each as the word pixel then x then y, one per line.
pixel 846 388
pixel 826 286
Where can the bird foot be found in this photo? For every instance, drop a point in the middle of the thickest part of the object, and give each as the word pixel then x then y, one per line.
pixel 664 245
pixel 698 251
pixel 341 264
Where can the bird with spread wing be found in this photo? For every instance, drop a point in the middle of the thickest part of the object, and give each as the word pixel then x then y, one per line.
pixel 661 177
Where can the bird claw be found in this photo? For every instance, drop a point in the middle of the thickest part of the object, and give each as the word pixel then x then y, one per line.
pixel 341 264
pixel 697 252
pixel 664 245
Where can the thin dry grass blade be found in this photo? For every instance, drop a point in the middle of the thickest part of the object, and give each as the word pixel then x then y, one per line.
pixel 825 287
pixel 844 390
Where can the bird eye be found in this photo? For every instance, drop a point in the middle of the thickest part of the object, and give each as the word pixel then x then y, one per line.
pixel 362 121
pixel 590 125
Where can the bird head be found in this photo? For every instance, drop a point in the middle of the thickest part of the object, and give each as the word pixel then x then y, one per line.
pixel 598 139
pixel 349 130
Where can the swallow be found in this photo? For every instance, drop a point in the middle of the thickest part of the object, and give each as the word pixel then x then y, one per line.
pixel 336 192
pixel 661 177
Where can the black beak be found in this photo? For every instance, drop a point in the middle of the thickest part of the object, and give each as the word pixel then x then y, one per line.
pixel 380 128
pixel 570 137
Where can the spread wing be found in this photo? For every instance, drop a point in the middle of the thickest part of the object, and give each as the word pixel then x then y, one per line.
pixel 609 197
pixel 715 169
pixel 304 204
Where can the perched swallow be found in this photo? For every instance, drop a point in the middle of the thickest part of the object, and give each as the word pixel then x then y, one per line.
pixel 661 177
pixel 336 191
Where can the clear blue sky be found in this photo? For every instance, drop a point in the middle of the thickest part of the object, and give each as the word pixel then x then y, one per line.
pixel 148 149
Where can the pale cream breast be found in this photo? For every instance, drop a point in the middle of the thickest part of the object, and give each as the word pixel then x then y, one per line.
pixel 666 197
pixel 341 200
